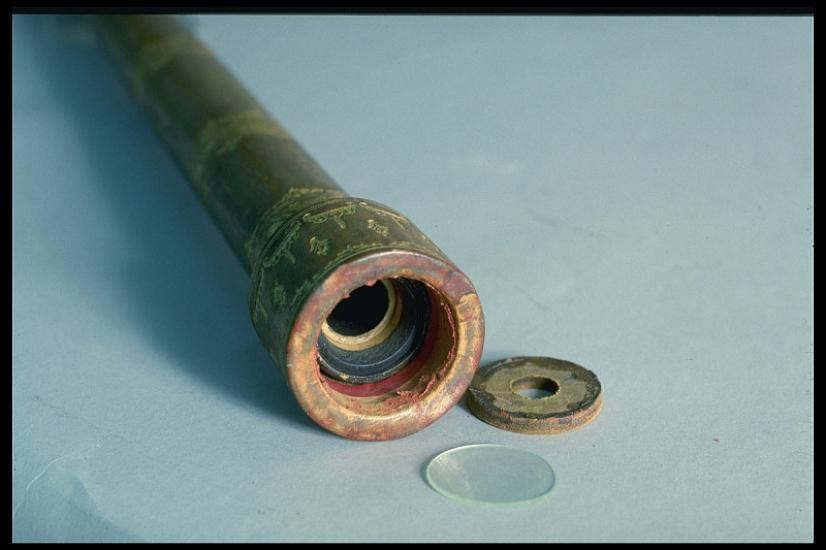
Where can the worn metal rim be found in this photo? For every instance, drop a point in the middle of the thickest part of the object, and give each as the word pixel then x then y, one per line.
pixel 398 413
pixel 576 401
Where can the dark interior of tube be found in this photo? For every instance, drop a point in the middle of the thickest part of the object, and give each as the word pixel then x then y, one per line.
pixel 375 331
pixel 386 345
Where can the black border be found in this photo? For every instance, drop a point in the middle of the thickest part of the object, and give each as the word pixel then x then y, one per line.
pixel 430 8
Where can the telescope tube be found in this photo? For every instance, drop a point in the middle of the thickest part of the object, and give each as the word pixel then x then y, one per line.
pixel 377 331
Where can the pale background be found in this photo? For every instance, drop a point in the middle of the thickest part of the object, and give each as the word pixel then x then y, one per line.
pixel 630 193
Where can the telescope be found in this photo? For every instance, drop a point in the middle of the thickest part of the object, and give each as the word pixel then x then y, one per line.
pixel 377 332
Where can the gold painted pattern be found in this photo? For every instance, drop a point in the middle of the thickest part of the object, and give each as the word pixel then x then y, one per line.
pixel 156 55
pixel 222 135
pixel 294 201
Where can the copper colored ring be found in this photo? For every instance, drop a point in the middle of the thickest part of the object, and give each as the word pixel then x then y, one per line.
pixel 575 398
pixel 441 376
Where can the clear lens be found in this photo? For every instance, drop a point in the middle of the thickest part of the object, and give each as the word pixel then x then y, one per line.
pixel 492 474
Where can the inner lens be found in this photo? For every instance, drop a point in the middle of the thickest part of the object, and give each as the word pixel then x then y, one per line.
pixel 375 331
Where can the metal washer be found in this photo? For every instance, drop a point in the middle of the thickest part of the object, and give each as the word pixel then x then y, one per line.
pixel 576 401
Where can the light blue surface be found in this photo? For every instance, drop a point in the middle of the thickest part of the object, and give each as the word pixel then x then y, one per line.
pixel 632 194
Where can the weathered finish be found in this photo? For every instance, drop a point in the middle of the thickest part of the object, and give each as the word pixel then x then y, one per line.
pixel 239 160
pixel 305 243
pixel 575 401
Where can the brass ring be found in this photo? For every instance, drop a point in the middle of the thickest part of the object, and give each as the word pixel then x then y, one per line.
pixel 572 395
pixel 375 335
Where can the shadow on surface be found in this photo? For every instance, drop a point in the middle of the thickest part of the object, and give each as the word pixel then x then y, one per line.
pixel 184 289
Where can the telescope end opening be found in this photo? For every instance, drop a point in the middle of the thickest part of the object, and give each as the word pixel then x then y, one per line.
pixel 386 345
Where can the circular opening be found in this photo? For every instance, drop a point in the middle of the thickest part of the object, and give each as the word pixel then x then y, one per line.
pixel 535 387
pixel 375 331
pixel 364 318
pixel 430 382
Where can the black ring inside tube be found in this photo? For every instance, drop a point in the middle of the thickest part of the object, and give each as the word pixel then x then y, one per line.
pixel 388 356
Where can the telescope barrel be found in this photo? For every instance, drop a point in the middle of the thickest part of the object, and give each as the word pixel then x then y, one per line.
pixel 377 331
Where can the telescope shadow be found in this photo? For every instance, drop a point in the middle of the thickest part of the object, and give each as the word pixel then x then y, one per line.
pixel 184 289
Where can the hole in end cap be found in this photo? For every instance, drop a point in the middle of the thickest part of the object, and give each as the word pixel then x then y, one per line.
pixel 535 387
